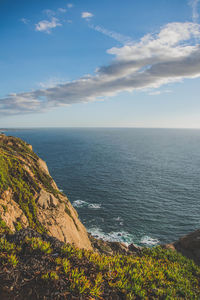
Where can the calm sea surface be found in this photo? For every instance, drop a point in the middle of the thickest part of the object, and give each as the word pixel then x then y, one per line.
pixel 131 185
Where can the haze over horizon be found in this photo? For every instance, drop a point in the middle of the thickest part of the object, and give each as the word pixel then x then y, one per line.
pixel 105 64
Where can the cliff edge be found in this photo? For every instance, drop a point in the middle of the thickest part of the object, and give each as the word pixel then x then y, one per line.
pixel 38 261
pixel 29 197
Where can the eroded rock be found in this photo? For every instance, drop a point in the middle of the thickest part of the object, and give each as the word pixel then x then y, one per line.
pixel 33 198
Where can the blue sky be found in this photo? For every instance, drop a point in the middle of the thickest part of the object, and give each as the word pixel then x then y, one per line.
pixel 100 63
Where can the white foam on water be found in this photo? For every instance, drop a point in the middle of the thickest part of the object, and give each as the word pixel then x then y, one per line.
pixel 118 219
pixel 94 206
pixel 81 203
pixel 113 236
pixel 147 240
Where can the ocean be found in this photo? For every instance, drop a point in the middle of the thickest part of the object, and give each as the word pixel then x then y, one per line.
pixel 128 184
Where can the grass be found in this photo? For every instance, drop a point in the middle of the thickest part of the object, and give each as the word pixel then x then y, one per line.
pixel 14 176
pixel 20 172
pixel 153 274
pixel 37 244
pixel 3 227
pixel 15 157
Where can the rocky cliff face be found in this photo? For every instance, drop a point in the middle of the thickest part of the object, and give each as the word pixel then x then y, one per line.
pixel 30 198
pixel 188 245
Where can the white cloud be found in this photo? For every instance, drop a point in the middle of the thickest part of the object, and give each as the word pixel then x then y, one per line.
pixel 50 13
pixel 195 14
pixel 51 82
pixel 86 15
pixel 47 26
pixel 169 56
pixel 24 20
pixel 114 35
pixel 70 5
pixel 62 10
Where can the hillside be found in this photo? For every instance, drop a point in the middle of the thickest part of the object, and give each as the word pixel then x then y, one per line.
pixel 46 253
pixel 30 197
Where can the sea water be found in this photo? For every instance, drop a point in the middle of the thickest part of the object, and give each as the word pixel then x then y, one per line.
pixel 127 184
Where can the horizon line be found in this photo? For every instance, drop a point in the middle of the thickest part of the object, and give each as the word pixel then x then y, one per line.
pixel 96 127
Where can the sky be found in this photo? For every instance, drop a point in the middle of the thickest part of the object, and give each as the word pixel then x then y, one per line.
pixel 107 63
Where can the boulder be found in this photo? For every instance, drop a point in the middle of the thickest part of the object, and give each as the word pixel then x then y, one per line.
pixel 189 245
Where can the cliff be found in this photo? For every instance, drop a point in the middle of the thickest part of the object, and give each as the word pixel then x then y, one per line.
pixel 46 253
pixel 29 196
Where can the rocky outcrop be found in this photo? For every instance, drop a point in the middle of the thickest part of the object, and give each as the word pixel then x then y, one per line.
pixel 29 197
pixel 188 245
pixel 113 248
pixel 61 220
pixel 11 212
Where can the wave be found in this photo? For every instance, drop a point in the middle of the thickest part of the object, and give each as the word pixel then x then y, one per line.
pixel 147 240
pixel 94 205
pixel 122 237
pixel 119 220
pixel 81 203
pixel 113 236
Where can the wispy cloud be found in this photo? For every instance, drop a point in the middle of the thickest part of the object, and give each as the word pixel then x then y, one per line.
pixel 195 14
pixel 86 15
pixel 47 26
pixel 168 56
pixel 70 5
pixel 49 12
pixel 112 34
pixel 24 20
pixel 159 92
pixel 62 10
pixel 52 82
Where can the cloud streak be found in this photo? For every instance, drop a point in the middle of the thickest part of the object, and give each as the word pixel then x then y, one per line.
pixel 24 20
pixel 114 35
pixel 157 92
pixel 70 5
pixel 168 56
pixel 195 14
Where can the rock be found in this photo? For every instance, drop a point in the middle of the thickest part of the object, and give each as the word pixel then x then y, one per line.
pixel 53 201
pixel 112 248
pixel 169 247
pixel 36 201
pixel 119 247
pixel 43 199
pixel 11 213
pixel 43 165
pixel 134 248
pixel 189 246
pixel 30 147
pixel 47 200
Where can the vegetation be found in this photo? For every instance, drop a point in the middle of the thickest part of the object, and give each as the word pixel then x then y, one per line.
pixel 151 274
pixel 37 244
pixel 3 227
pixel 20 172
pixel 15 158
pixel 36 266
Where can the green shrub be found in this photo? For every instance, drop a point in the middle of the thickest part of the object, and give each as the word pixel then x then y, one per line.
pixel 38 244
pixel 50 275
pixel 12 260
pixel 6 246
